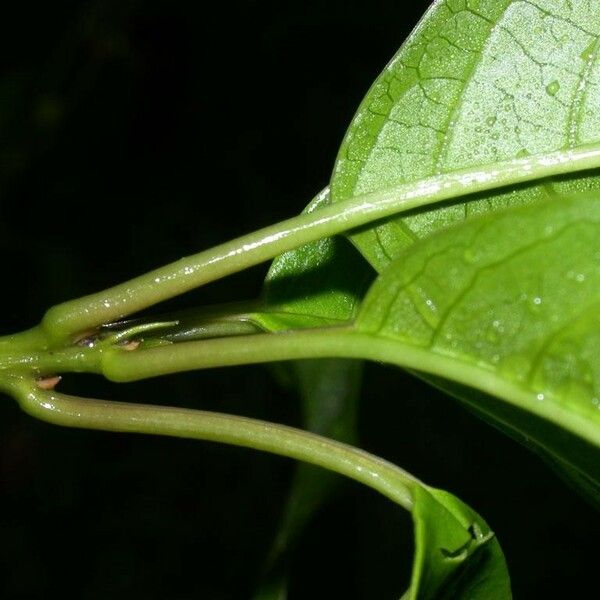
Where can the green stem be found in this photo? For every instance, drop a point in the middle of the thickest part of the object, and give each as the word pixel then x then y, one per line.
pixel 124 364
pixel 339 342
pixel 33 339
pixel 63 321
pixel 75 359
pixel 72 411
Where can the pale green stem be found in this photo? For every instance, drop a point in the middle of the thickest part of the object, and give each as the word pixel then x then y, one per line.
pixel 123 364
pixel 26 341
pixel 72 411
pixel 340 342
pixel 75 316
pixel 75 359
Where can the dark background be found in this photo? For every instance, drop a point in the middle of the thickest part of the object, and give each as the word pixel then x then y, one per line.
pixel 176 130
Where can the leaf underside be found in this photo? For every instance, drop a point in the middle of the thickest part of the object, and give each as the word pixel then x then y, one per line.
pixel 515 295
pixel 456 554
pixel 478 81
pixel 318 284
pixel 481 81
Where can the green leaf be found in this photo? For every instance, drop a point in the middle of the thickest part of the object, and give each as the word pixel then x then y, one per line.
pixel 478 81
pixel 456 554
pixel 508 304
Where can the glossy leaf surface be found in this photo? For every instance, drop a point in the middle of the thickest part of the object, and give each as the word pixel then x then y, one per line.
pixel 478 81
pixel 509 303
pixel 456 554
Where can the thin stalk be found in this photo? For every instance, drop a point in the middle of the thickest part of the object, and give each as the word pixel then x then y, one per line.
pixel 67 319
pixel 336 342
pixel 74 359
pixel 33 339
pixel 72 411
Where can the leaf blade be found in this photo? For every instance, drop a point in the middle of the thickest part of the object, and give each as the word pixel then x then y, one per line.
pixel 500 295
pixel 474 84
pixel 457 555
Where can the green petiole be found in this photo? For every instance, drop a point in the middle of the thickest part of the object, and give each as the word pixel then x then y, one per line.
pixel 72 411
pixel 70 318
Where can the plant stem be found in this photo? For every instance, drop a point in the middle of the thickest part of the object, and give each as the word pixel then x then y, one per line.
pixel 122 363
pixel 26 341
pixel 72 411
pixel 40 363
pixel 339 342
pixel 64 320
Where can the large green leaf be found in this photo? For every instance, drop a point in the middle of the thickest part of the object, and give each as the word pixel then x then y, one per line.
pixel 508 304
pixel 478 81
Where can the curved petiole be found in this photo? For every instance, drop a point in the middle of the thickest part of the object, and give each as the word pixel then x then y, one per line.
pixel 339 342
pixel 70 318
pixel 73 411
